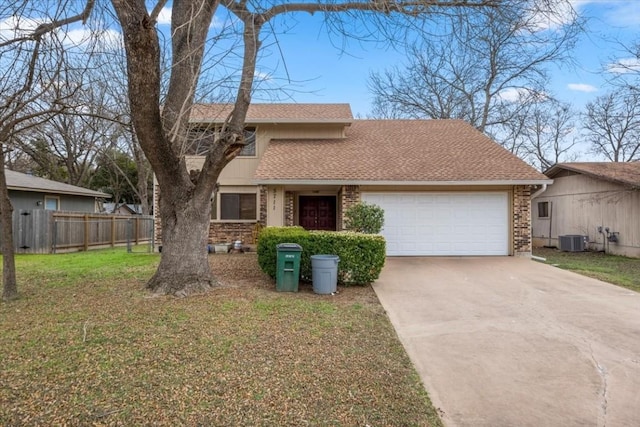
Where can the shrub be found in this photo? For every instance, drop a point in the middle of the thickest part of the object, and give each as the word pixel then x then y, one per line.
pixel 361 255
pixel 364 218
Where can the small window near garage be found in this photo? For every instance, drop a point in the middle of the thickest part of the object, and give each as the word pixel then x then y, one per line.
pixel 51 203
pixel 238 206
pixel 543 209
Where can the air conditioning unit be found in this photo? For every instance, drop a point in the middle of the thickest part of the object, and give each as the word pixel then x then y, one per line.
pixel 572 243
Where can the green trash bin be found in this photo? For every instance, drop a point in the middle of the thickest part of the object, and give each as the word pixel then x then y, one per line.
pixel 288 269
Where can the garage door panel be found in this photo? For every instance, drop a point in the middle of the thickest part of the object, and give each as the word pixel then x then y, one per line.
pixel 444 223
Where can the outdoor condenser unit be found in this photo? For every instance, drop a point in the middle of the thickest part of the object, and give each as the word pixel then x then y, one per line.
pixel 572 243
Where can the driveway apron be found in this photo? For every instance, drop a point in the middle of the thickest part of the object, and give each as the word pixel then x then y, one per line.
pixel 503 341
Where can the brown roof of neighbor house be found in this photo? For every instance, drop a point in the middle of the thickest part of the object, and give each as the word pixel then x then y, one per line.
pixel 275 113
pixel 626 173
pixel 24 182
pixel 397 151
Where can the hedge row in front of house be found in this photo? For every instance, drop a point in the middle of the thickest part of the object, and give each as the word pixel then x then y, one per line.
pixel 361 255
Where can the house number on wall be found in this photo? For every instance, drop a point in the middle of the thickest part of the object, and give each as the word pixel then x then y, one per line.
pixel 274 199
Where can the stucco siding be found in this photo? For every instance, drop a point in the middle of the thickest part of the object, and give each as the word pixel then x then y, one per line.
pixel 580 205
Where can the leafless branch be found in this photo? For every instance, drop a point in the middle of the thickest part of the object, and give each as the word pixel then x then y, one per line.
pixel 48 27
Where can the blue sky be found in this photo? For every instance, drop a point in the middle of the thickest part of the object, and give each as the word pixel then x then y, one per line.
pixel 308 63
pixel 322 72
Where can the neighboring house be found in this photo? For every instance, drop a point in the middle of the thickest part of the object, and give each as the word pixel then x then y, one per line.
pixel 122 208
pixel 30 192
pixel 446 189
pixel 598 200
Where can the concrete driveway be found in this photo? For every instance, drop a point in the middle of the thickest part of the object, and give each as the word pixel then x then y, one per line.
pixel 513 342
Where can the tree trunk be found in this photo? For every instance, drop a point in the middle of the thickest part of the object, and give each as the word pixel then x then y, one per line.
pixel 184 265
pixel 10 285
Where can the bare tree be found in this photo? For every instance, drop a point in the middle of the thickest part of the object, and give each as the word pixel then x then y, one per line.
pixel 32 91
pixel 544 133
pixel 612 125
pixel 483 68
pixel 185 198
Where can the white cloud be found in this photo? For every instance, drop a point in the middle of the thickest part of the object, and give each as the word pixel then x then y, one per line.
pixel 164 17
pixel 562 13
pixel 259 75
pixel 513 94
pixel 582 87
pixel 623 13
pixel 85 37
pixel 14 27
pixel 624 66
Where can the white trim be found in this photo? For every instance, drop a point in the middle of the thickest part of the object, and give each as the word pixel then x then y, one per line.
pixel 398 183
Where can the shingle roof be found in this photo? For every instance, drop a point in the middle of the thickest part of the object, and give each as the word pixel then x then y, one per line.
pixel 23 182
pixel 417 151
pixel 626 173
pixel 275 113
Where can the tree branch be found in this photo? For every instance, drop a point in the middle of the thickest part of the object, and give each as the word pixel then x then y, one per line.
pixel 43 29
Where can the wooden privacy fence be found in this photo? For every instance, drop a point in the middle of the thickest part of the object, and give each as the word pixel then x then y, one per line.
pixel 42 231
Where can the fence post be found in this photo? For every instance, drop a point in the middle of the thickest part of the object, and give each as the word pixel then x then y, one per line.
pixel 113 231
pixel 86 232
pixel 129 232
pixel 55 235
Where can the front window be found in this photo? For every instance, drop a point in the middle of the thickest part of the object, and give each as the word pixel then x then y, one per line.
pixel 238 206
pixel 51 203
pixel 543 209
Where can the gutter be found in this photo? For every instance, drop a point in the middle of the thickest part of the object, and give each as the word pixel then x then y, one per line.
pixel 398 183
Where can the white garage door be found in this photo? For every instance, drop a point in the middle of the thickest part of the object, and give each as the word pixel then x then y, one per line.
pixel 444 223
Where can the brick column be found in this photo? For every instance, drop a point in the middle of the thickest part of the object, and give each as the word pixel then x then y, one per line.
pixel 350 195
pixel 263 205
pixel 522 220
pixel 288 208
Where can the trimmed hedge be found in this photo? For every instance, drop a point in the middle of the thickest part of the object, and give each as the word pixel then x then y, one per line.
pixel 361 255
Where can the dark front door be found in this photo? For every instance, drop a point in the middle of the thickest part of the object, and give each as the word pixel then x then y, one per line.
pixel 318 212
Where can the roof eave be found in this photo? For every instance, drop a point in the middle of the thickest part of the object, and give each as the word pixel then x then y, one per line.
pixel 347 122
pixel 51 191
pixel 553 170
pixel 401 183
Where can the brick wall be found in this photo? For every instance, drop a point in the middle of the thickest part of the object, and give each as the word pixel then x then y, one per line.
pixel 522 220
pixel 350 195
pixel 229 232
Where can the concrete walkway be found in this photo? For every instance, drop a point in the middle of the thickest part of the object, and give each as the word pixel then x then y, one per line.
pixel 513 342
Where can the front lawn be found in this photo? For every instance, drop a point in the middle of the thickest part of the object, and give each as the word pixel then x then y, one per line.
pixel 614 269
pixel 86 345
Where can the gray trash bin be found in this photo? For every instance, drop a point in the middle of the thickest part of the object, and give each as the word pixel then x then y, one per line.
pixel 324 273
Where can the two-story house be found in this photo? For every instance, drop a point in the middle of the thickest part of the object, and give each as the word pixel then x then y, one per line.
pixel 446 188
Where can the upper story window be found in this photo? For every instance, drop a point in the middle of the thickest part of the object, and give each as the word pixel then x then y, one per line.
pixel 201 140
pixel 543 209
pixel 249 149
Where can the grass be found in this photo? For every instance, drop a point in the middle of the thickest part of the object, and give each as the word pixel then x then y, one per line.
pixel 618 270
pixel 86 345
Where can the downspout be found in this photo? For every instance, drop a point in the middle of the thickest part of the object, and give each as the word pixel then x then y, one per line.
pixel 539 192
pixel 550 222
pixel 536 194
